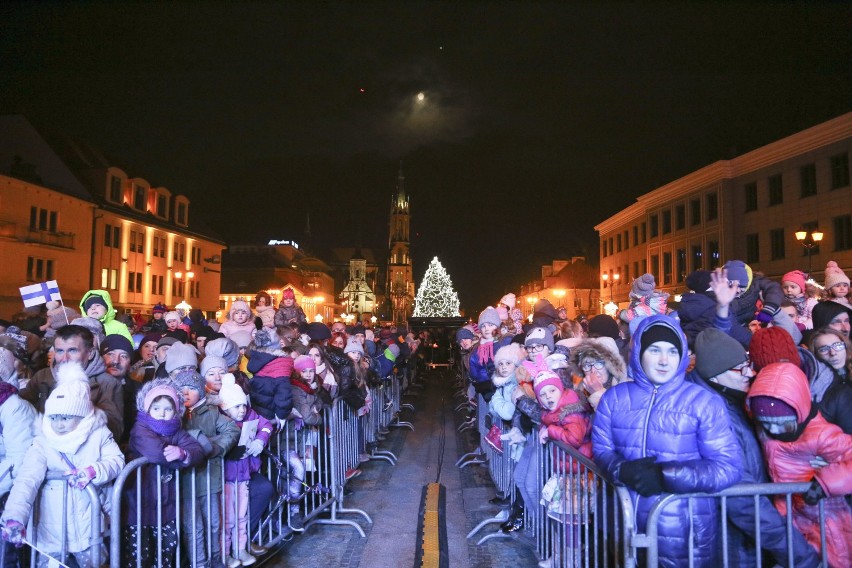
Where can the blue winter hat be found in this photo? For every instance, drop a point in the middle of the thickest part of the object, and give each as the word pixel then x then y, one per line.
pixel 464 333
pixel 740 271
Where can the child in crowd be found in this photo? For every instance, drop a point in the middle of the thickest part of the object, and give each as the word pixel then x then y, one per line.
pixel 217 434
pixel 239 319
pixel 175 326
pixel 793 435
pixel 157 324
pixel 836 284
pixel 157 435
pixel 213 368
pixel 240 463
pixel 482 359
pixel 74 438
pixel 566 417
pixel 264 310
pixel 97 304
pixel 501 405
pixel 794 285
pixel 289 311
pixel 58 315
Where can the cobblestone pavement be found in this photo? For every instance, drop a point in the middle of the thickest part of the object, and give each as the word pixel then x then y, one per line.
pixel 390 494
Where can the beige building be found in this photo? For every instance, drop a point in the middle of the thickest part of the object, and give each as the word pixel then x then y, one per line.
pixel 572 284
pixel 747 208
pixel 67 214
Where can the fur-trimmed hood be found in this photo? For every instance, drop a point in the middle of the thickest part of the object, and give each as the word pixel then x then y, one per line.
pixel 605 349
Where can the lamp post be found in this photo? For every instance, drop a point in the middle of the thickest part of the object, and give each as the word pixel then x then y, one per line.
pixel 531 300
pixel 610 308
pixel 810 241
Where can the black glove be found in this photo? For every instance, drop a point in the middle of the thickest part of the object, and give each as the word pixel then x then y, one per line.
pixel 236 453
pixel 814 493
pixel 644 475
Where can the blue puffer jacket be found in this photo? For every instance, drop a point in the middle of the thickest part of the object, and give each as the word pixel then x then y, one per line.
pixel 684 426
pixel 741 519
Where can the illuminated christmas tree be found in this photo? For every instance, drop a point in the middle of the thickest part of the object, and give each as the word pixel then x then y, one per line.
pixel 435 296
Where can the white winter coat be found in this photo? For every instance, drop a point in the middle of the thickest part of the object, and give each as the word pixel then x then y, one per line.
pixel 16 436
pixel 90 444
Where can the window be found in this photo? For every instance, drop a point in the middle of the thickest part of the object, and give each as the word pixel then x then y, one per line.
pixel 196 255
pixel 808 179
pixel 39 269
pixel 839 171
pixel 161 205
pixel 681 264
pixel 636 273
pixel 618 243
pixel 134 282
pixel 667 268
pixel 843 232
pixel 625 275
pixel 713 255
pixel 155 249
pixel 115 189
pixel 776 190
pixel 680 217
pixel 603 248
pixel 644 266
pixel 712 207
pixel 139 197
pixel 644 232
pixel 776 244
pixel 181 213
pixel 182 252
pixel 695 212
pixel 655 266
pixel 43 220
pixel 104 278
pixel 655 229
pixel 137 241
pixel 753 248
pixel 751 196
pixel 635 235
pixel 626 240
pixel 154 284
pixel 107 236
pixel 162 247
pixel 667 221
pixel 697 258
pixel 132 241
pixel 160 284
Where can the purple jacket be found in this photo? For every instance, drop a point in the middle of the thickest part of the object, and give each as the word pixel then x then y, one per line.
pixel 241 470
pixel 144 442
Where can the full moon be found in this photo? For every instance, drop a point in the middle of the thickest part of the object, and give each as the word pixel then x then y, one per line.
pixel 421 97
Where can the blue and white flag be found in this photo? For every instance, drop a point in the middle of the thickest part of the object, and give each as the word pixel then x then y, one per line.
pixel 40 293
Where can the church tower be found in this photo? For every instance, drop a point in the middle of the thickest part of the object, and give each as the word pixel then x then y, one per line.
pixel 400 287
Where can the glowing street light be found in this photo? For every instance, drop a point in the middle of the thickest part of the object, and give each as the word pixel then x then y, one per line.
pixel 810 242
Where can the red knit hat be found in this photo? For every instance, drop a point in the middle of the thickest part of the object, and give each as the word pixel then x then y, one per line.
pixel 773 345
pixel 797 277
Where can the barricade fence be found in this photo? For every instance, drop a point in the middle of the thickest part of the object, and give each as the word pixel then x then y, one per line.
pixel 580 518
pixel 156 515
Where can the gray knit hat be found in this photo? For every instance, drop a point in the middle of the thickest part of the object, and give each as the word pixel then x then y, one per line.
pixel 489 315
pixel 224 348
pixel 643 286
pixel 539 336
pixel 717 352
pixel 181 355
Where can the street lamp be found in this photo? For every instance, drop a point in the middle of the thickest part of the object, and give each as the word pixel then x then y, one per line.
pixel 605 277
pixel 810 242
pixel 531 301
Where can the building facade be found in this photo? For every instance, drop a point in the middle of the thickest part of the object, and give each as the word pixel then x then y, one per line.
pixel 748 208
pixel 357 297
pixel 73 217
pixel 571 284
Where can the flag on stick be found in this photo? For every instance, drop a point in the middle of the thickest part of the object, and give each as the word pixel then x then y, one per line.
pixel 36 294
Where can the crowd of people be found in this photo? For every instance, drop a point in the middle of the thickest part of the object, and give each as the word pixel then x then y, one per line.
pixel 744 380
pixel 84 393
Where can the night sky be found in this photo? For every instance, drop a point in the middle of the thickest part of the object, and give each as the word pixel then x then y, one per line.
pixel 539 120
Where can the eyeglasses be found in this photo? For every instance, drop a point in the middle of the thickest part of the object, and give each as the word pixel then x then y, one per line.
pixel 744 368
pixel 535 348
pixel 599 365
pixel 838 347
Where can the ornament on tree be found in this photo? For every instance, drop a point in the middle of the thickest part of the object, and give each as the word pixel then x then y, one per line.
pixel 435 296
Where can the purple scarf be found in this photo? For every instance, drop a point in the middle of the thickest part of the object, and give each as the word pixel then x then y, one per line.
pixel 6 390
pixel 161 427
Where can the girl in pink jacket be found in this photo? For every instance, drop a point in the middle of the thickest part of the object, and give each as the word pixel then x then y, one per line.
pixel 794 436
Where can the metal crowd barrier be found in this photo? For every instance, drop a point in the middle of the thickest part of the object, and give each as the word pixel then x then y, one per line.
pixel 96 530
pixel 584 520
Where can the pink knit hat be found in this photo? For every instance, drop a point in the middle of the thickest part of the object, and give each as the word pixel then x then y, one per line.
pixel 797 277
pixel 834 275
pixel 303 362
pixel 546 378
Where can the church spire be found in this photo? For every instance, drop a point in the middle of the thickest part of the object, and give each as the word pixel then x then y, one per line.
pixel 400 201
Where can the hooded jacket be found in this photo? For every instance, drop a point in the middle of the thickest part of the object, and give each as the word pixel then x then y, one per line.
pixel 269 388
pixel 687 429
pixel 741 510
pixel 790 462
pixel 596 348
pixel 110 325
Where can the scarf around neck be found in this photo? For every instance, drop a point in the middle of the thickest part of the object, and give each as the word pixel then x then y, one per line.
pixel 160 427
pixel 485 351
pixel 71 442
